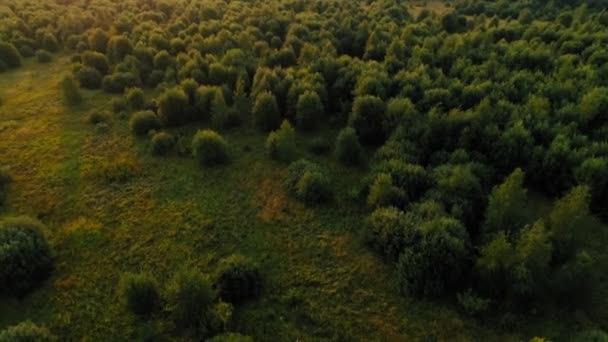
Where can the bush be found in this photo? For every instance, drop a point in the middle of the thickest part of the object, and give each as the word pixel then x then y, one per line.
pixel 266 112
pixel 209 148
pixel 594 335
pixel 143 122
pixel 119 104
pixel 139 293
pixel 89 78
pixel 386 232
pixel 99 117
pixel 49 42
pixel 135 98
pixel 348 149
pixel 174 107
pixel 43 56
pixel 367 118
pixel 203 99
pixel 309 110
pixel 319 145
pixel 9 55
pixel 25 255
pixel 118 82
pixel 281 144
pixel 382 192
pixel 314 187
pixel 238 279
pixel 472 304
pixel 295 171
pixel 162 143
pixel 26 332
pixel 190 299
pixel 97 61
pixel 118 48
pixel 71 90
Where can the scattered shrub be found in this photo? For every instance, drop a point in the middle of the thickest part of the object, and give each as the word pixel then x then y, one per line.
pixel 238 279
pixel 25 255
pixel 308 182
pixel 367 118
pixel 348 149
pixel 116 171
pixel 266 112
pixel 102 127
pixel 209 148
pixel 43 56
pixel 174 107
pixel 26 332
pixel 9 55
pixel 97 117
pixel 118 104
pixel 142 122
pixel 135 98
pixel 89 78
pixel 139 293
pixel 26 51
pixel 162 143
pixel 118 48
pixel 382 192
pixel 281 144
pixel 71 90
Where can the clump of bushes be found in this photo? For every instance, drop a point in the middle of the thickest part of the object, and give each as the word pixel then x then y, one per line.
pixel 71 90
pixel 143 122
pixel 309 110
pixel 308 182
pixel 281 144
pixel 238 279
pixel 162 143
pixel 174 107
pixel 26 257
pixel 135 98
pixel 89 78
pixel 26 332
pixel 118 82
pixel 43 56
pixel 348 148
pixel 209 148
pixel 139 293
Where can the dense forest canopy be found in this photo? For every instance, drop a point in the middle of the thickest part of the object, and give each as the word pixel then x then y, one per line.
pixel 481 127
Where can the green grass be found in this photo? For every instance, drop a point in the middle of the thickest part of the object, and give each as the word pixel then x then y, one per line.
pixel 321 283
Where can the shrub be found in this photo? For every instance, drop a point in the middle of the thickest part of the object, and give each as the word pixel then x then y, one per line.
pixel 26 332
pixel 281 144
pixel 49 42
pixel 594 335
pixel 43 56
pixel 174 107
pixel 319 145
pixel 367 118
pixel 190 299
pixel 24 255
pixel 119 104
pixel 348 148
pixel 89 78
pixel 27 51
pixel 97 117
pixel 382 192
pixel 472 304
pixel 143 122
pixel 238 279
pixel 203 99
pixel 97 61
pixel 9 55
pixel 295 171
pixel 209 148
pixel 162 60
pixel 139 293
pixel 309 110
pixel 118 48
pixel 314 187
pixel 162 143
pixel 266 112
pixel 118 82
pixel 135 98
pixel 386 229
pixel 71 90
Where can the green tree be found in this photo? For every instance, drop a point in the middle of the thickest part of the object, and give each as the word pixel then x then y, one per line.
pixel 281 144
pixel 507 206
pixel 367 117
pixel 209 148
pixel 348 148
pixel 309 110
pixel 266 112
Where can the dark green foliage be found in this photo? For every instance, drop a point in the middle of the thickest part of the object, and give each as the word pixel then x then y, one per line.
pixel 367 117
pixel 508 206
pixel 162 60
pixel 26 332
pixel 5 180
pixel 174 107
pixel 9 55
pixel 99 116
pixel 118 48
pixel 472 304
pixel 139 293
pixel 118 82
pixel 266 112
pixel 348 148
pixel 43 56
pixel 118 104
pixel 89 78
pixel 382 192
pixel 71 90
pixel 49 42
pixel 309 110
pixel 143 122
pixel 24 255
pixel 209 148
pixel 319 145
pixel 388 231
pixel 281 144
pixel 162 143
pixel 96 61
pixel 591 336
pixel 135 98
pixel 238 279
pixel 98 40
pixel 190 299
pixel 308 182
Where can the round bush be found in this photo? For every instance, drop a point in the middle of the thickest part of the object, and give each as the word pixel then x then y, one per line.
pixel 139 293
pixel 231 337
pixel 142 122
pixel 348 148
pixel 135 98
pixel 9 55
pixel 71 90
pixel 314 187
pixel 43 56
pixel 97 61
pixel 266 112
pixel 26 332
pixel 190 299
pixel 49 42
pixel 309 110
pixel 238 279
pixel 118 104
pixel 209 148
pixel 27 51
pixel 174 107
pixel 367 118
pixel 281 144
pixel 24 255
pixel 162 143
pixel 89 78
pixel 118 82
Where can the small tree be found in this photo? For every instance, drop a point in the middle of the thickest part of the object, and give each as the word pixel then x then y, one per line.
pixel 162 143
pixel 135 98
pixel 382 191
pixel 71 90
pixel 367 117
pixel 139 292
pixel 281 144
pixel 508 206
pixel 209 148
pixel 174 107
pixel 309 110
pixel 348 148
pixel 238 279
pixel 266 112
pixel 9 55
pixel 118 48
pixel 143 122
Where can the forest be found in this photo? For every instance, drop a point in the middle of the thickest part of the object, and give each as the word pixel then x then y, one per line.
pixel 303 170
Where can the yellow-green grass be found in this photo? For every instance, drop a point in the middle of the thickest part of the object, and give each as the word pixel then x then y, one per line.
pixel 321 282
